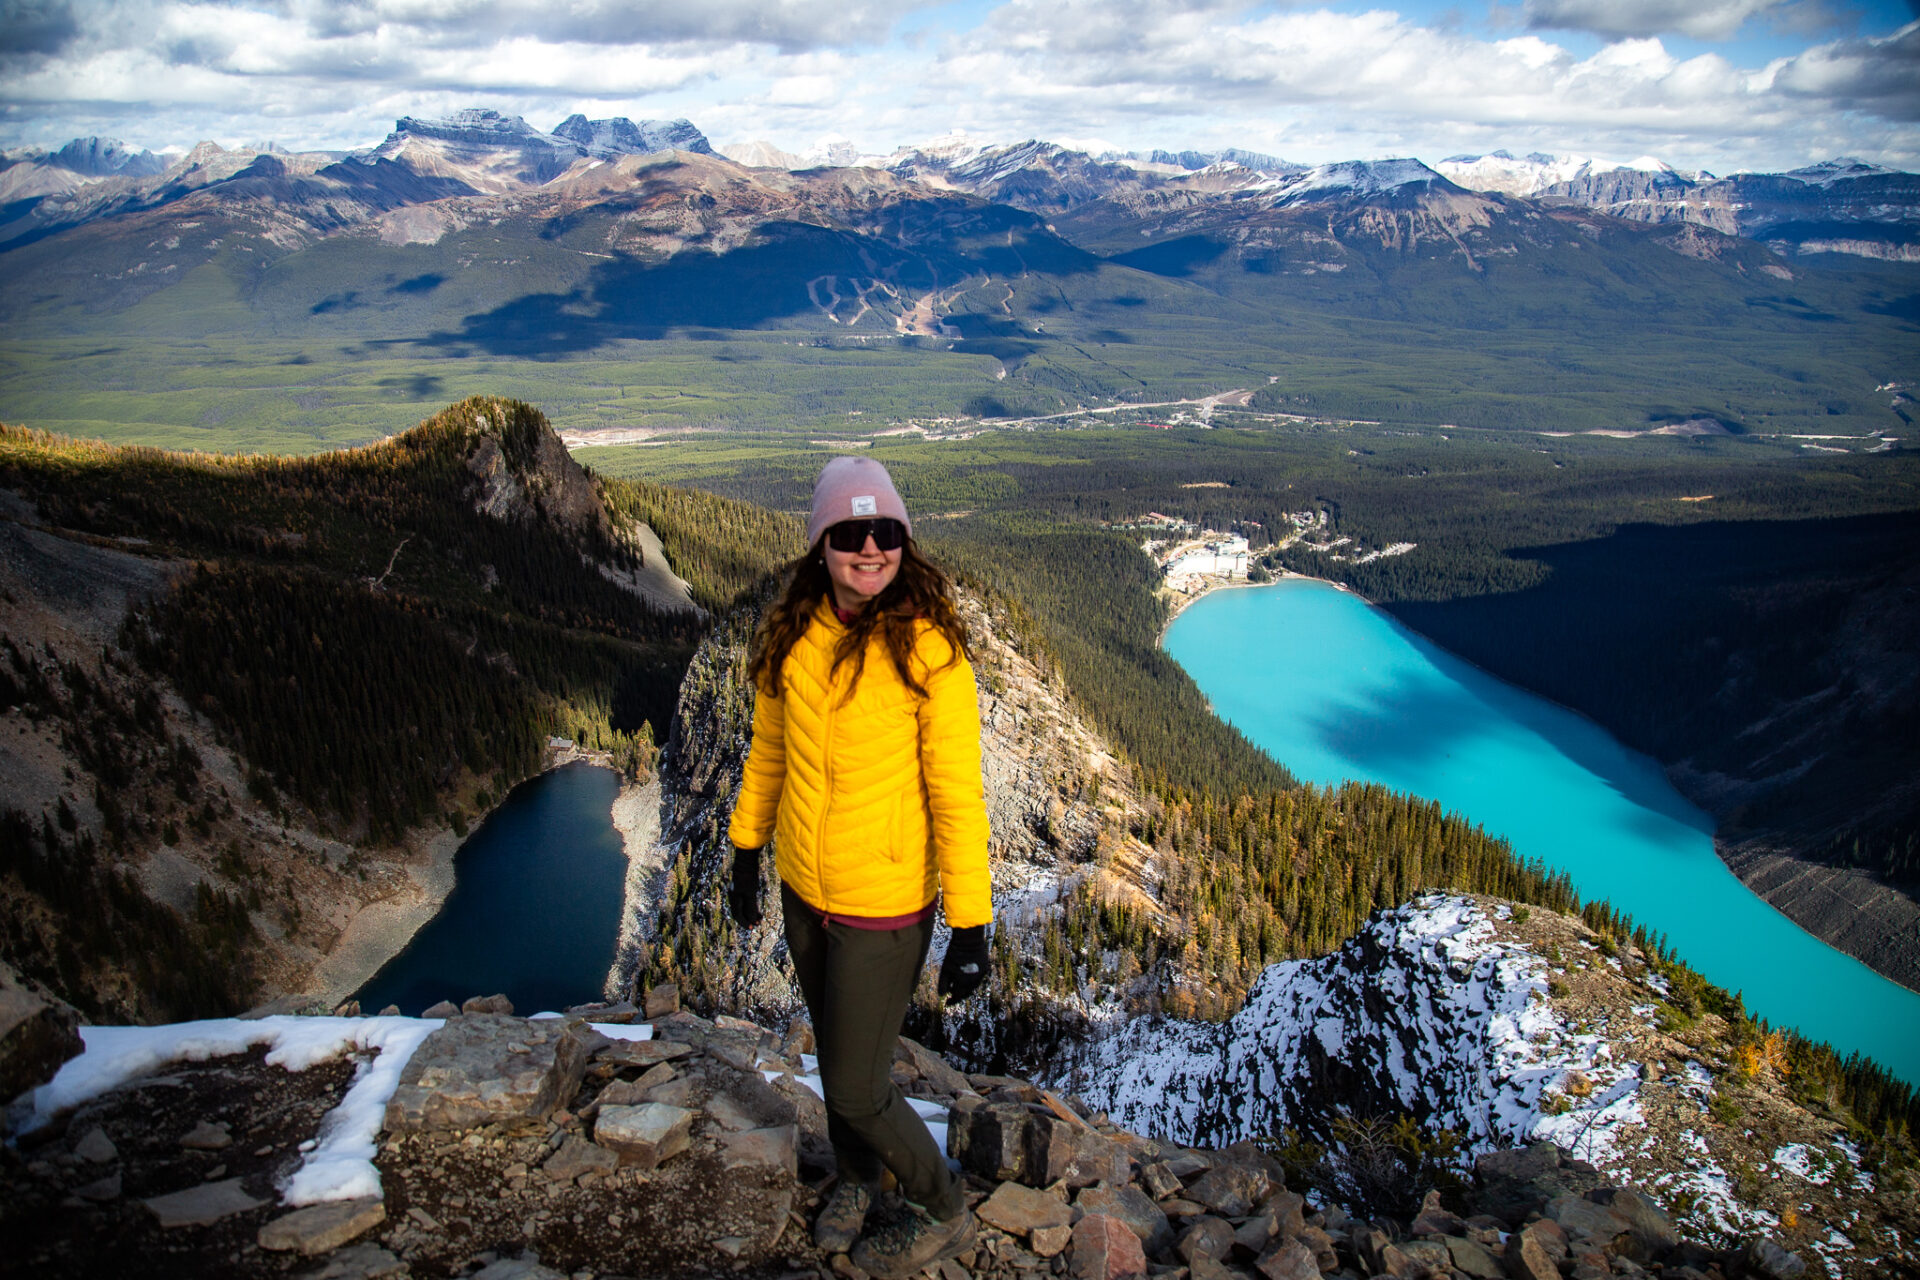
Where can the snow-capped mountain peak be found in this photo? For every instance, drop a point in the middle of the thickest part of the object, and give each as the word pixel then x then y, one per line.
pixel 1361 178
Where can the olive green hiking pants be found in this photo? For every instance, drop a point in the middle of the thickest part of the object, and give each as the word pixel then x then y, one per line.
pixel 857 983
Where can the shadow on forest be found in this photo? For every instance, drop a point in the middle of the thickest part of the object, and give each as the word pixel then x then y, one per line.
pixel 778 279
pixel 1173 257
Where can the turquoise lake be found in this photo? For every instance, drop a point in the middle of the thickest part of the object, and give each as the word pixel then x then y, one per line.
pixel 1338 690
pixel 535 906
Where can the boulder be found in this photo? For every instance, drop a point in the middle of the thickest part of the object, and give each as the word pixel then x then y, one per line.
pixel 37 1035
pixel 1324 1254
pixel 1187 1164
pixel 441 1009
pixel 1288 1260
pixel 1059 1151
pixel 1231 1190
pixel 1471 1258
pixel 576 1156
pixel 496 1004
pixel 527 1268
pixel 100 1190
pixel 1579 1216
pixel 1159 1181
pixel 769 1152
pixel 1048 1242
pixel 931 1069
pixel 619 1013
pixel 1281 1215
pixel 1205 1236
pixel 1011 1088
pixel 645 1136
pixel 1205 1268
pixel 1528 1259
pixel 991 1141
pixel 1653 1231
pixel 1435 1219
pixel 1130 1205
pixel 1105 1248
pixel 207 1136
pixel 1511 1184
pixel 1370 1245
pixel 641 1053
pixel 321 1228
pixel 96 1147
pixel 1021 1211
pixel 1768 1259
pixel 1429 1257
pixel 662 1001
pixel 486 1069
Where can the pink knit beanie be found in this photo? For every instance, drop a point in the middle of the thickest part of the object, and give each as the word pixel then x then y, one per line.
pixel 852 488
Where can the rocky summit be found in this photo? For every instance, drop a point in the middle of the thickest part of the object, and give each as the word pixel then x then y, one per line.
pixel 618 1140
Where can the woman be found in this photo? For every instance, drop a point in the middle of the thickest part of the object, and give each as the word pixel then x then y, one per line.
pixel 865 765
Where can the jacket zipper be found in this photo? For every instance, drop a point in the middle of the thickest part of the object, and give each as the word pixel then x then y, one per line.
pixel 826 798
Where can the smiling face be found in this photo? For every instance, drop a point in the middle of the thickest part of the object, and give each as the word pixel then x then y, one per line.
pixel 859 576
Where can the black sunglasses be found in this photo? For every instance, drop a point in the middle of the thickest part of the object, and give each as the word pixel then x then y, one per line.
pixel 851 535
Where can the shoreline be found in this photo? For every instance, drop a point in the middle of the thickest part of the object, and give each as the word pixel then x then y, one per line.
pixel 1182 601
pixel 1854 914
pixel 381 929
pixel 636 816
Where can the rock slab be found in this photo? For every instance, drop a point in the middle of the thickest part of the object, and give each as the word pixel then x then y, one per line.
pixel 1021 1211
pixel 322 1227
pixel 202 1205
pixel 645 1136
pixel 488 1069
pixel 1105 1248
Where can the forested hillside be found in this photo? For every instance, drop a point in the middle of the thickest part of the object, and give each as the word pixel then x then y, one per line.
pixel 326 661
pixel 1681 589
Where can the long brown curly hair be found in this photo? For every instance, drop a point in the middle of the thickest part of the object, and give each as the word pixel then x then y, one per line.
pixel 919 590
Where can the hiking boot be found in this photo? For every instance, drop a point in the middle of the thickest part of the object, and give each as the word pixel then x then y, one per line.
pixel 908 1244
pixel 844 1213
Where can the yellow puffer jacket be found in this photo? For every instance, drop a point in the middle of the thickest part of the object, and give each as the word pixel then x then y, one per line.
pixel 876 801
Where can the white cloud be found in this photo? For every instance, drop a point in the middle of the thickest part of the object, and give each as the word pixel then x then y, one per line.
pixel 1701 19
pixel 1878 76
pixel 1307 83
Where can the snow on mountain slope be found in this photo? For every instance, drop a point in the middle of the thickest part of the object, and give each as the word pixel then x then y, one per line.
pixel 1427 1012
pixel 1507 1026
pixel 1515 176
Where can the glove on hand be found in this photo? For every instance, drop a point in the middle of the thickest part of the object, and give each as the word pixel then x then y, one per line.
pixel 743 895
pixel 965 967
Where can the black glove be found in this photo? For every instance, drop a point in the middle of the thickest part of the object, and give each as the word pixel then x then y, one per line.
pixel 743 895
pixel 965 967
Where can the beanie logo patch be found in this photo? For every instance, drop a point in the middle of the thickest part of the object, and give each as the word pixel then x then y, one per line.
pixel 864 505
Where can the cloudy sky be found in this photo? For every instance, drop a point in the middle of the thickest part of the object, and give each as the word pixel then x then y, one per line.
pixel 1716 84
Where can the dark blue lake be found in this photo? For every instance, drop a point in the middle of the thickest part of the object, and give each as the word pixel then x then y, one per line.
pixel 1336 689
pixel 535 905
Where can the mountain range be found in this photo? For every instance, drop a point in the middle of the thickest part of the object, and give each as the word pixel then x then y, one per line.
pixel 1003 282
pixel 1839 206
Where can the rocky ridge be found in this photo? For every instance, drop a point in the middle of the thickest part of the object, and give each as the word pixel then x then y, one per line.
pixel 1504 1026
pixel 624 1141
pixel 1837 206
